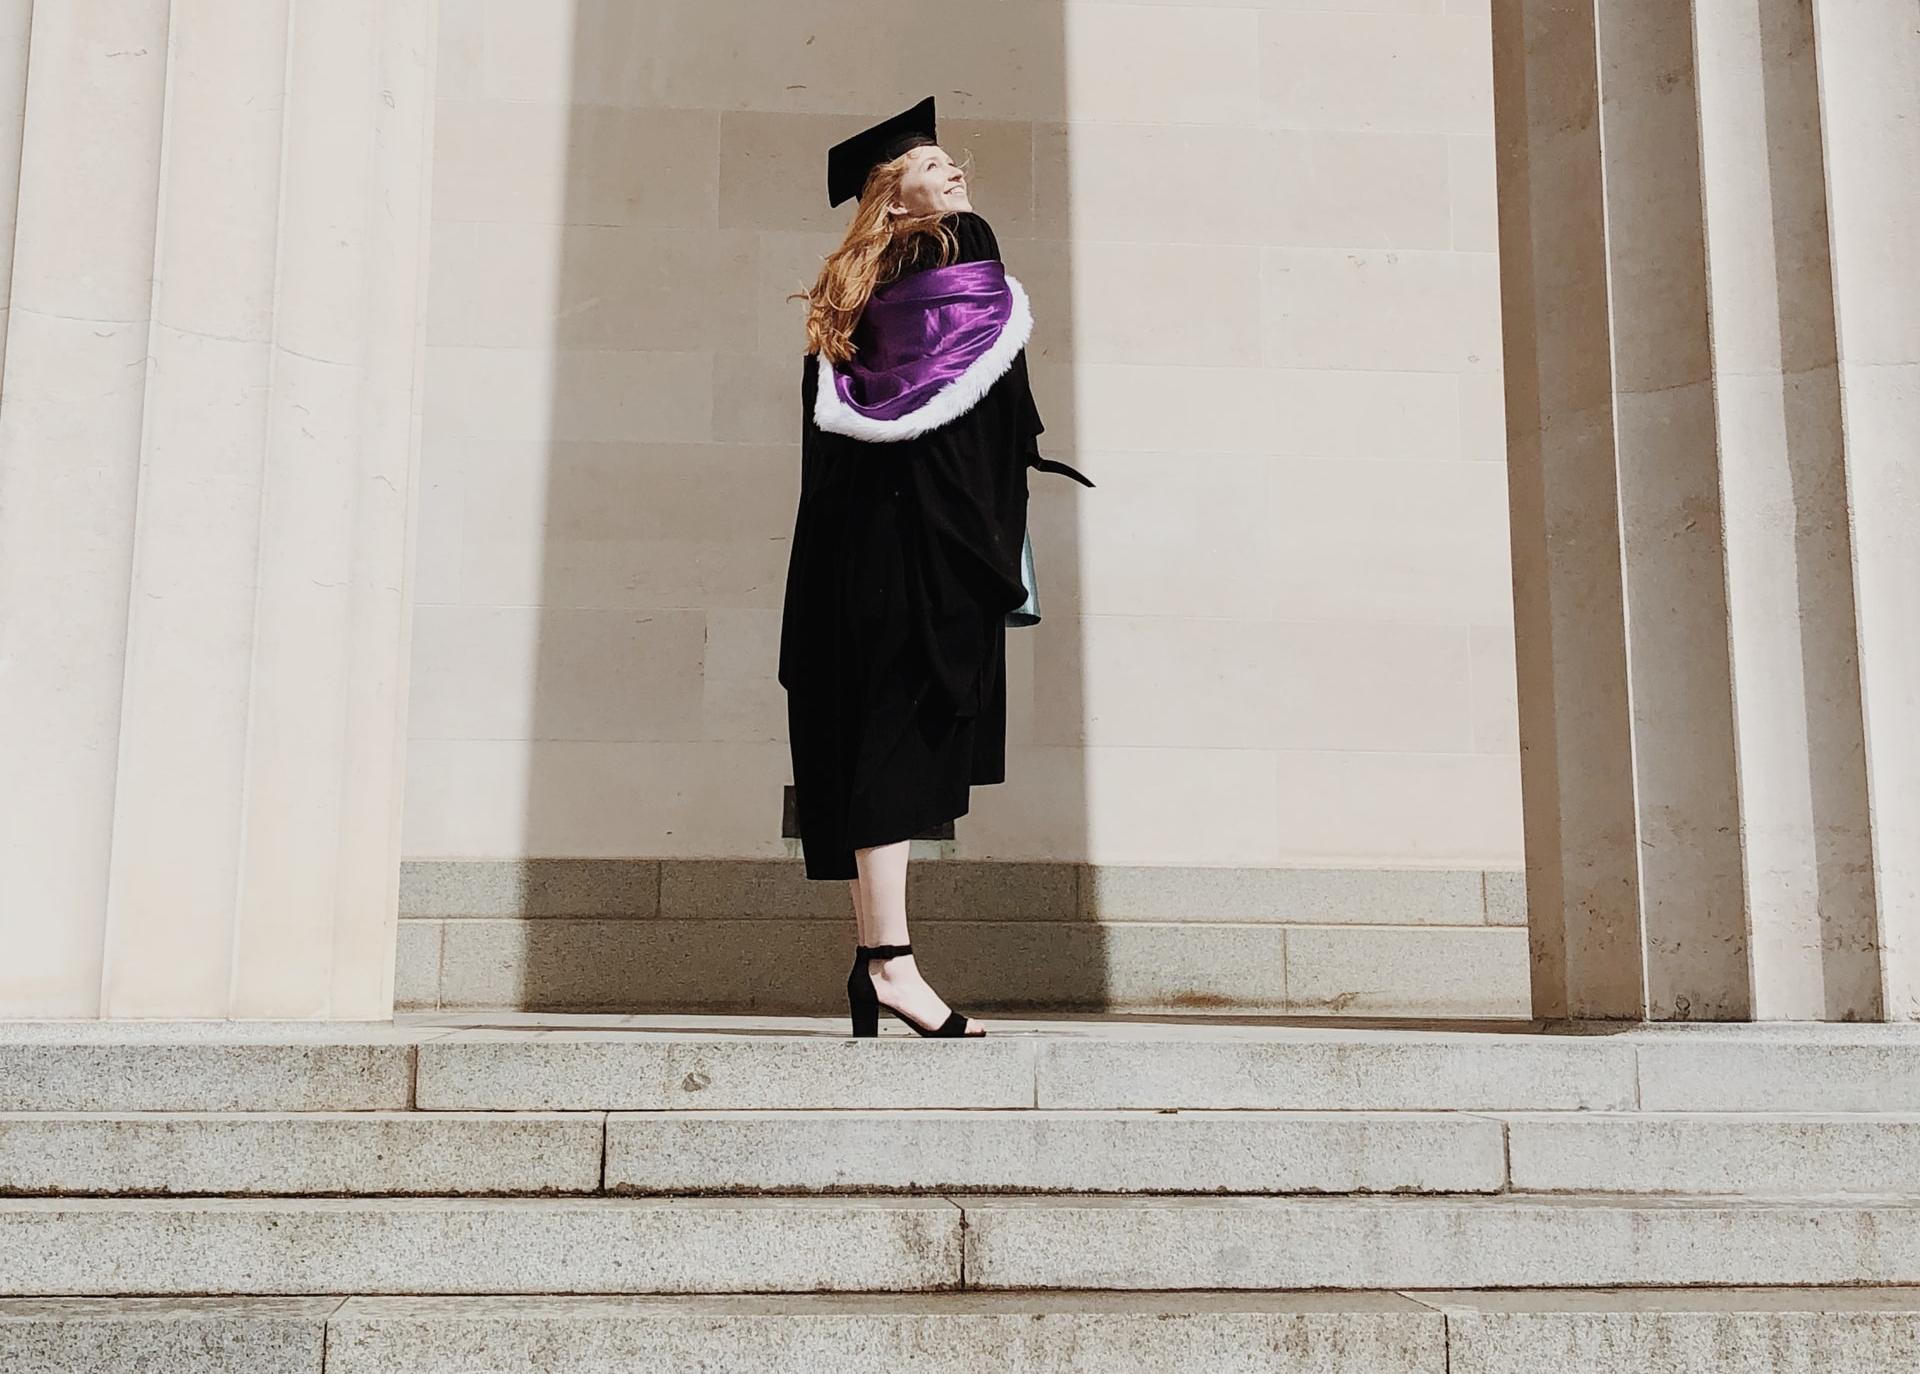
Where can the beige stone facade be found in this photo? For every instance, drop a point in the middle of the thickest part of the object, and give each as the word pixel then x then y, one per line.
pixel 396 458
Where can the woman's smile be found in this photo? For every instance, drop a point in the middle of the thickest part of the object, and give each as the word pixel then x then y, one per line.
pixel 921 189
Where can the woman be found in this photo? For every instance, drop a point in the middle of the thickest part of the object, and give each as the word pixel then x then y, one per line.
pixel 917 427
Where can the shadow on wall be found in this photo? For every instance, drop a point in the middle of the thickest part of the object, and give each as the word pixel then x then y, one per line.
pixel 693 204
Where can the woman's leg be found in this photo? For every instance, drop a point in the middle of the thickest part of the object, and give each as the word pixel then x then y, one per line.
pixel 859 913
pixel 882 887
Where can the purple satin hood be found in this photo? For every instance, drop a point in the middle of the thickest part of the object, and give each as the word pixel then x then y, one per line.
pixel 920 333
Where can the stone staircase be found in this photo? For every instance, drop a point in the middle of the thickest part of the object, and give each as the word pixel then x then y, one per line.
pixel 670 1193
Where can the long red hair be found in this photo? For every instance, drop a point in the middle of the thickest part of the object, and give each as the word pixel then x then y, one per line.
pixel 876 245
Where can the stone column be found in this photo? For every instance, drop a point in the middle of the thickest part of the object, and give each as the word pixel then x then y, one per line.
pixel 208 421
pixel 1711 315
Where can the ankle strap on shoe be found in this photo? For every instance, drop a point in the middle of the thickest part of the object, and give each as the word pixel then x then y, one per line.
pixel 885 951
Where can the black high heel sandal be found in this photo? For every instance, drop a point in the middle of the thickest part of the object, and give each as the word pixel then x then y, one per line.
pixel 864 1003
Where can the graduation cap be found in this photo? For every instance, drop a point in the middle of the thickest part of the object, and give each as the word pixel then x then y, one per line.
pixel 849 161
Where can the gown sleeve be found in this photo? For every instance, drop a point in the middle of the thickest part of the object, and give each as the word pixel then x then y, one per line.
pixel 1030 422
pixel 977 242
pixel 1031 428
pixel 792 634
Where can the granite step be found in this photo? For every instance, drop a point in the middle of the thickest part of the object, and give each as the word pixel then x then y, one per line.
pixel 1686 1331
pixel 1257 1069
pixel 649 1064
pixel 293 1246
pixel 120 1066
pixel 1727 1331
pixel 166 1335
pixel 1734 1154
pixel 940 1150
pixel 746 1152
pixel 1047 1151
pixel 296 1246
pixel 1505 1241
pixel 288 1153
pixel 1176 1151
pixel 950 1333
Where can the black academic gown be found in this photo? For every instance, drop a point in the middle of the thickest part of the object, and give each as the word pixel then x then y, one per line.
pixel 904 562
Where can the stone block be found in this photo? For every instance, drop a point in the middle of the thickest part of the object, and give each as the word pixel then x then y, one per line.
pixel 1732 1331
pixel 1407 971
pixel 416 966
pixel 1506 897
pixel 585 1071
pixel 109 1246
pixel 1356 1070
pixel 1841 1069
pixel 1747 1154
pixel 1054 1151
pixel 118 1067
pixel 947 1333
pixel 530 887
pixel 164 1335
pixel 1415 1242
pixel 301 1152
pixel 1294 896
pixel 798 965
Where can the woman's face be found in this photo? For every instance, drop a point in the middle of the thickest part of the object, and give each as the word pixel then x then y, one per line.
pixel 932 184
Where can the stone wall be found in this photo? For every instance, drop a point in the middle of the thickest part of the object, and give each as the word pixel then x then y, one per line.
pixel 710 935
pixel 1278 633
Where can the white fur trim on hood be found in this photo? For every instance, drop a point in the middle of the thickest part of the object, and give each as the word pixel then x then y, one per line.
pixel 951 401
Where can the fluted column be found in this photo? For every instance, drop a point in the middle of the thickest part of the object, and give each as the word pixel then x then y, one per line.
pixel 16 20
pixel 207 433
pixel 1868 57
pixel 1714 609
